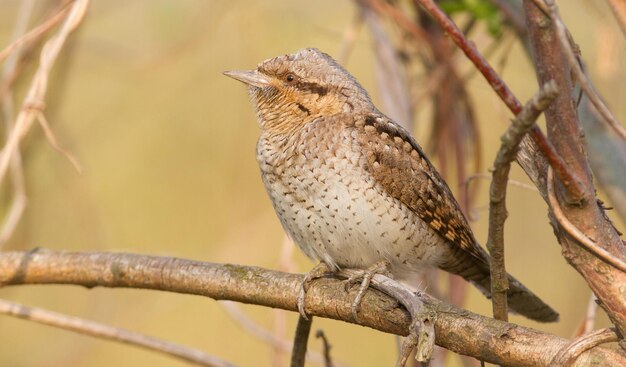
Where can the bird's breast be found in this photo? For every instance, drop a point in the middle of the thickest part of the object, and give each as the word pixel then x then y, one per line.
pixel 335 211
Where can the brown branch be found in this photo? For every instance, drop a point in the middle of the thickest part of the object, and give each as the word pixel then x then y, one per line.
pixel 328 361
pixel 568 355
pixel 605 280
pixel 575 233
pixel 98 330
pixel 497 196
pixel 561 169
pixel 455 329
pixel 300 341
pixel 585 84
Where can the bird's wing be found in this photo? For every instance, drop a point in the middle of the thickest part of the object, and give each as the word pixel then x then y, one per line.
pixel 402 169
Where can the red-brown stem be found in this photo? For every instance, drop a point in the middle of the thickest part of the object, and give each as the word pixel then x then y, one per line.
pixel 556 162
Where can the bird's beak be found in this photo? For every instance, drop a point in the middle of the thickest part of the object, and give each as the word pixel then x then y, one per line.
pixel 250 77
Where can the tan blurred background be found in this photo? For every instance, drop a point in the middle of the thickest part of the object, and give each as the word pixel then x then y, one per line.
pixel 167 148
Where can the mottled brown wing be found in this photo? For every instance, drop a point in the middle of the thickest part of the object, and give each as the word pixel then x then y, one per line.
pixel 398 163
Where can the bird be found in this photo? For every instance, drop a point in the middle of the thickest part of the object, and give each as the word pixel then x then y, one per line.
pixel 352 188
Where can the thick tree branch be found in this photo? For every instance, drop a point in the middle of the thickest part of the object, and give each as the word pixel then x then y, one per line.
pixel 456 329
pixel 605 280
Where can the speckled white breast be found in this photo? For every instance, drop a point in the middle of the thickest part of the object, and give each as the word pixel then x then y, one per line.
pixel 333 209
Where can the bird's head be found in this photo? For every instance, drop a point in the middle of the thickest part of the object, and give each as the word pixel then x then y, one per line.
pixel 291 90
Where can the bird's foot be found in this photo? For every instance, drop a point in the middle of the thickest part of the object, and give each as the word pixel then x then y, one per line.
pixel 364 277
pixel 319 271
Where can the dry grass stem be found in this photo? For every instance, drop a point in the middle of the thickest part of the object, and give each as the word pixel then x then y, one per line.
pixel 35 33
pixel 36 93
pixel 98 330
pixel 9 71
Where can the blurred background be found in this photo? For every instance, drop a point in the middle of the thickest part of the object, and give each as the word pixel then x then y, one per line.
pixel 167 149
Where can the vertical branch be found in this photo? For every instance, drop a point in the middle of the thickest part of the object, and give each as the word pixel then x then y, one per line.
pixel 300 341
pixel 497 197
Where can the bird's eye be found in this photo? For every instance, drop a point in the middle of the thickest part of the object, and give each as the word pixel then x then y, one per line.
pixel 290 78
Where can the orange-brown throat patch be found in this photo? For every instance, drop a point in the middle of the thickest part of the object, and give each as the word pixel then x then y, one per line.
pixel 283 109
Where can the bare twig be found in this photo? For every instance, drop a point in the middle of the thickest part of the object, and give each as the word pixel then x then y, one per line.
pixel 497 197
pixel 36 93
pixel 281 345
pixel 572 183
pixel 580 237
pixel 455 329
pixel 328 362
pixel 570 353
pixel 98 330
pixel 585 83
pixel 619 10
pixel 300 341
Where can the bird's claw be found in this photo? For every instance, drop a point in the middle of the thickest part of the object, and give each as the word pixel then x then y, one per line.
pixel 317 272
pixel 364 277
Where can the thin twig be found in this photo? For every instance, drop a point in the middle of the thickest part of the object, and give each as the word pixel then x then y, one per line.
pixel 99 330
pixel 328 362
pixel 574 186
pixel 300 341
pixel 497 196
pixel 278 344
pixel 619 10
pixel 37 91
pixel 571 352
pixel 580 237
pixel 585 83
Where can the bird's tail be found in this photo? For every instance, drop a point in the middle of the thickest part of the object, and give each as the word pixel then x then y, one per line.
pixel 520 299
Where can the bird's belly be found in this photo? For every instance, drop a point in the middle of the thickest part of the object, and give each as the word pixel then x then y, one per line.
pixel 344 220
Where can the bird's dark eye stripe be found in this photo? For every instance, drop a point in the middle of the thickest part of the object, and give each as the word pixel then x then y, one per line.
pixel 313 88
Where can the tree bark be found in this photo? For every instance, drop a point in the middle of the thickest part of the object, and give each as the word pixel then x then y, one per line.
pixel 456 329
